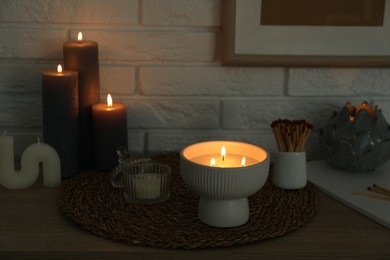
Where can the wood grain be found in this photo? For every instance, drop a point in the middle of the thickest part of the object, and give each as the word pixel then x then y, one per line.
pixel 33 227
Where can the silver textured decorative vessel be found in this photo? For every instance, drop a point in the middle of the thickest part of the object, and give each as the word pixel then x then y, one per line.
pixel 356 139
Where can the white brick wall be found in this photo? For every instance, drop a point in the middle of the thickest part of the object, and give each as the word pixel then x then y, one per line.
pixel 113 12
pixel 161 57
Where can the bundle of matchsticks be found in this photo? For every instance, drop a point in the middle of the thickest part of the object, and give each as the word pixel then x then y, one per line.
pixel 291 135
pixel 378 192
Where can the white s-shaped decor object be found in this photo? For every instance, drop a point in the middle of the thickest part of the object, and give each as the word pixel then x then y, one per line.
pixel 31 157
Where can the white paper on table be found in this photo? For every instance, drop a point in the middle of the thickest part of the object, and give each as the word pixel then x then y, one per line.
pixel 341 184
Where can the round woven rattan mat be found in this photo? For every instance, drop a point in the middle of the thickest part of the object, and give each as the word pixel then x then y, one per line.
pixel 89 200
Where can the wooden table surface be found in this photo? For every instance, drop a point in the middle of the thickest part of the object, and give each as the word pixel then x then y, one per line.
pixel 32 226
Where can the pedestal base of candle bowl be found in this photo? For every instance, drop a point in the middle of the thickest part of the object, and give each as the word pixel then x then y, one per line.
pixel 223 213
pixel 223 191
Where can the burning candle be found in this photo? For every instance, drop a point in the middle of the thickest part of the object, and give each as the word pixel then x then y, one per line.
pixel 223 153
pixel 61 117
pixel 82 56
pixel 109 131
pixel 243 162
pixel 212 162
pixel 31 157
pixel 224 184
pixel 230 160
pixel 353 111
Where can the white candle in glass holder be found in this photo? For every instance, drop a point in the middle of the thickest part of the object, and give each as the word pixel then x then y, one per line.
pixel 147 186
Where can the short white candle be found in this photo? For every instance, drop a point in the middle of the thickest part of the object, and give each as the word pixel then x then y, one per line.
pixel 147 186
pixel 31 157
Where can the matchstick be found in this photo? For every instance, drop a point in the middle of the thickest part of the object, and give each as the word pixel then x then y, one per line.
pixel 291 136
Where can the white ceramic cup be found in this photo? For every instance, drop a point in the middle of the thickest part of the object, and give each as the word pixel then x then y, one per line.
pixel 290 170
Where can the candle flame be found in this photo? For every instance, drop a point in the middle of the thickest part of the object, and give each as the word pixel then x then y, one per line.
pixel 223 153
pixel 243 161
pixel 109 100
pixel 80 37
pixel 59 68
pixel 353 111
pixel 367 107
pixel 212 162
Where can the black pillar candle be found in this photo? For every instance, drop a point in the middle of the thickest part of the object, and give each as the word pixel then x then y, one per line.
pixel 82 56
pixel 61 117
pixel 110 132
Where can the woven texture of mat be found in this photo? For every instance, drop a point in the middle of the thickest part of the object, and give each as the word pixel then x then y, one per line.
pixel 89 200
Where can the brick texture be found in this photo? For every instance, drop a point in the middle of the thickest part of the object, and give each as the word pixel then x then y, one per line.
pixel 31 43
pixel 152 46
pixel 339 82
pixel 206 81
pixel 162 59
pixel 172 114
pixel 70 11
pixel 117 80
pixel 179 13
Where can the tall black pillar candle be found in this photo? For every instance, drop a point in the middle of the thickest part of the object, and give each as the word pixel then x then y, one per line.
pixel 61 117
pixel 82 56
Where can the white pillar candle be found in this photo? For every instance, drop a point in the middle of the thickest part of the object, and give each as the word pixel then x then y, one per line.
pixel 31 157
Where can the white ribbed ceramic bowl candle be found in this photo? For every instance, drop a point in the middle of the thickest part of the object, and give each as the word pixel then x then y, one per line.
pixel 224 188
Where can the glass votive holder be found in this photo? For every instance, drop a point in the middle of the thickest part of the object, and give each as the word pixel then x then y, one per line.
pixel 116 174
pixel 146 182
